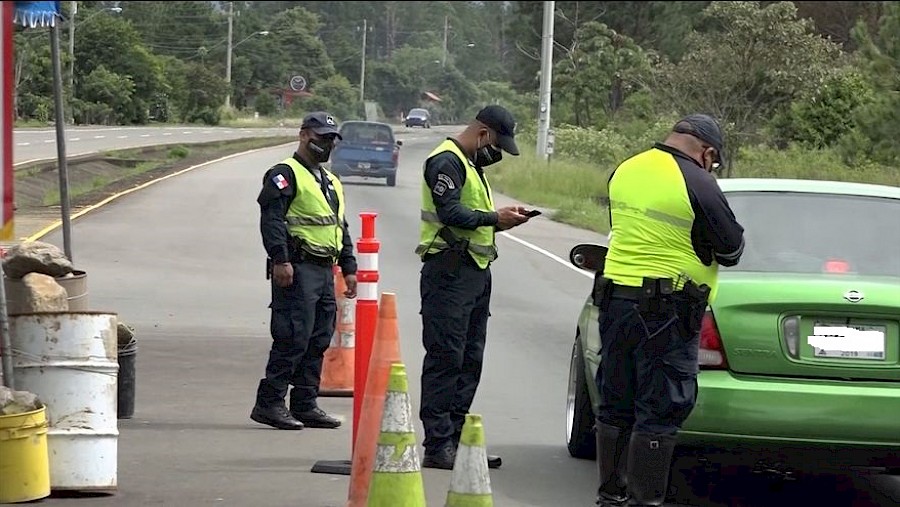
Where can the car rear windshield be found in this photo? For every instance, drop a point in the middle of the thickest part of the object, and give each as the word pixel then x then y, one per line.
pixel 790 232
pixel 367 133
pixel 418 112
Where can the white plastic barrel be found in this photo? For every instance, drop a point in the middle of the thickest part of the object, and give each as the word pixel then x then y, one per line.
pixel 69 360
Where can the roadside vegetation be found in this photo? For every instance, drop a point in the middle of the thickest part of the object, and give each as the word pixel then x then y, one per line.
pixel 95 176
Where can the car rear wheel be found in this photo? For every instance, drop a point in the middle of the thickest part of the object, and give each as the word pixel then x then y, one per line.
pixel 392 180
pixel 579 412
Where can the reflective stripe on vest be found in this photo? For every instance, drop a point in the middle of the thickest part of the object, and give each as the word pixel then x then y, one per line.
pixel 476 195
pixel 310 217
pixel 652 219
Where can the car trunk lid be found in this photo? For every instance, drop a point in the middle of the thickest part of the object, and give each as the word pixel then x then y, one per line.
pixel 812 326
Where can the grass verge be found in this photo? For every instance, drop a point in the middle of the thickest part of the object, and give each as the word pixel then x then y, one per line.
pixel 93 178
pixel 574 191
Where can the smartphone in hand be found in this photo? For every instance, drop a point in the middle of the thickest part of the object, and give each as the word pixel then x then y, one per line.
pixel 533 213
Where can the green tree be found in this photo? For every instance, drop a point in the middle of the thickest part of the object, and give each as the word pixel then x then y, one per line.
pixel 600 69
pixel 749 63
pixel 879 122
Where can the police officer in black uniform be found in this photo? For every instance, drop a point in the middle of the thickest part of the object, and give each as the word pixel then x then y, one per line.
pixel 671 229
pixel 457 246
pixel 305 234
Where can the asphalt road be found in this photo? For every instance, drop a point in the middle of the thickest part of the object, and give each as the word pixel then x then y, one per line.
pixel 182 263
pixel 39 144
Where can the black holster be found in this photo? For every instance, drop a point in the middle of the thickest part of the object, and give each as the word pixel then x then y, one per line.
pixel 458 249
pixel 697 298
pixel 602 291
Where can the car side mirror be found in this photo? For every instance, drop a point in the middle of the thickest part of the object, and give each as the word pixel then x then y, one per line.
pixel 399 142
pixel 588 256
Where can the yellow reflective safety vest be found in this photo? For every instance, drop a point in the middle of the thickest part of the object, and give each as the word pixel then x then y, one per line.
pixel 476 195
pixel 651 218
pixel 310 217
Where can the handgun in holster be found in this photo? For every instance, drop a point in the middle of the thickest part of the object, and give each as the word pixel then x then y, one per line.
pixel 458 248
pixel 697 297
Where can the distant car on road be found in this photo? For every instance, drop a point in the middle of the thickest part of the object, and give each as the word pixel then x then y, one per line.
pixel 368 149
pixel 418 117
pixel 800 351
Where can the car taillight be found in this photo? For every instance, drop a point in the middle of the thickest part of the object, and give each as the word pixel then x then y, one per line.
pixel 712 354
pixel 396 156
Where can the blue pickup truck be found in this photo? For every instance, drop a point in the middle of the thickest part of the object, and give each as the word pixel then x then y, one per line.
pixel 368 149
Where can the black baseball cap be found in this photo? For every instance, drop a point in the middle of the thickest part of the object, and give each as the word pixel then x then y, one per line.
pixel 704 128
pixel 321 123
pixel 501 121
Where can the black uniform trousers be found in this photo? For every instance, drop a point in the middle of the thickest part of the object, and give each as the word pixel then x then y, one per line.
pixel 302 325
pixel 455 310
pixel 648 367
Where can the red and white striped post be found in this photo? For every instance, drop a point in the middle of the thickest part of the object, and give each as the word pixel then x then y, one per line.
pixel 367 247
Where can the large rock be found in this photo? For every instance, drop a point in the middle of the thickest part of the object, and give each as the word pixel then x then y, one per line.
pixel 36 257
pixel 43 294
pixel 17 402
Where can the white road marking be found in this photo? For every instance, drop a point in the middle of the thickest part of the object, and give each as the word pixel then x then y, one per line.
pixel 75 139
pixel 49 140
pixel 145 135
pixel 121 137
pixel 99 137
pixel 545 253
pixel 22 144
pixel 167 133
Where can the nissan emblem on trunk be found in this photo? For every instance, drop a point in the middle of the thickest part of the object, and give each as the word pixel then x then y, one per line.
pixel 854 296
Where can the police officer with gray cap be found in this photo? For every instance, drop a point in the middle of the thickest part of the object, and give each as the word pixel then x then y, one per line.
pixel 305 234
pixel 671 229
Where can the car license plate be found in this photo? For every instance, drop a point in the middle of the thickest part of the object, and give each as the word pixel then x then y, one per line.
pixel 364 165
pixel 847 341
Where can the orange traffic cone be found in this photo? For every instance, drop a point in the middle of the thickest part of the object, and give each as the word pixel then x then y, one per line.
pixel 385 352
pixel 338 364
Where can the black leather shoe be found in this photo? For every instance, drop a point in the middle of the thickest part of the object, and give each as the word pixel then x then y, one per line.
pixel 494 461
pixel 443 458
pixel 276 417
pixel 316 418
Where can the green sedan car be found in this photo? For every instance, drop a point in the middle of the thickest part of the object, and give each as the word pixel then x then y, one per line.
pixel 801 348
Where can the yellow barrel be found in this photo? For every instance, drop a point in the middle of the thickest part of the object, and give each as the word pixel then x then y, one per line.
pixel 24 458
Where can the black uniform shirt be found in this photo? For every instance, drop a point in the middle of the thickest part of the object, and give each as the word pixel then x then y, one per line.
pixel 445 175
pixel 715 233
pixel 274 202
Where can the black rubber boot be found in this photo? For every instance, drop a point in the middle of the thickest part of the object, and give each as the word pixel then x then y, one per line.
pixel 611 464
pixel 649 461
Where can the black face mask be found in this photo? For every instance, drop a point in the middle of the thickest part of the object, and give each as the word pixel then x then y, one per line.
pixel 320 149
pixel 487 155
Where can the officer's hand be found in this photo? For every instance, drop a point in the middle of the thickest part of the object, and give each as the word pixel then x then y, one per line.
pixel 509 217
pixel 350 280
pixel 283 274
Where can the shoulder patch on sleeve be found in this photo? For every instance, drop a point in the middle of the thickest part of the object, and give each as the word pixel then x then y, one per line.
pixel 446 180
pixel 439 188
pixel 280 181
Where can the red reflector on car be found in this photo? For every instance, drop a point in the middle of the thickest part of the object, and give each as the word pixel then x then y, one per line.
pixel 837 266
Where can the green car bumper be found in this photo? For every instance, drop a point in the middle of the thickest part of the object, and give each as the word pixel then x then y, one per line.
pixel 773 412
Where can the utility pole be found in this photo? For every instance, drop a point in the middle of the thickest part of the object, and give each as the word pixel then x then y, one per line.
pixel 446 30
pixel 228 57
pixel 362 70
pixel 546 79
pixel 71 76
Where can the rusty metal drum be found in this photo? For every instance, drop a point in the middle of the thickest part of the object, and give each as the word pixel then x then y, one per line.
pixel 69 360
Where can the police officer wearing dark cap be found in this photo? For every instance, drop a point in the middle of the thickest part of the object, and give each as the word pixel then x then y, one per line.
pixel 457 247
pixel 671 230
pixel 305 234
